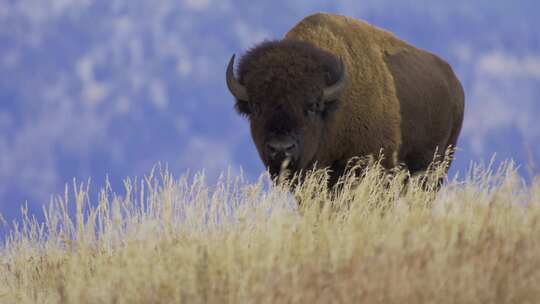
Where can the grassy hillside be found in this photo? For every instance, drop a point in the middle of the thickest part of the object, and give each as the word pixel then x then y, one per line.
pixel 178 240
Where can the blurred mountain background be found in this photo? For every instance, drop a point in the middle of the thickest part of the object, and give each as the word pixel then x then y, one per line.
pixel 90 89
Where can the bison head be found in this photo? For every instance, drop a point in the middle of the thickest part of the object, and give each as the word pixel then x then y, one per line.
pixel 288 90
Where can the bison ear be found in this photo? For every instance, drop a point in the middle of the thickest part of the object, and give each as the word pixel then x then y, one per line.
pixel 242 107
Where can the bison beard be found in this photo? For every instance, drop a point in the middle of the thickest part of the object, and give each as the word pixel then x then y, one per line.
pixel 337 88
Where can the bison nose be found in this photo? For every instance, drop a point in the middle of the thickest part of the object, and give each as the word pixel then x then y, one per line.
pixel 281 148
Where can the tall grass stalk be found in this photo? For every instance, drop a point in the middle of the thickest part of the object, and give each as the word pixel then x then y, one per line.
pixel 180 240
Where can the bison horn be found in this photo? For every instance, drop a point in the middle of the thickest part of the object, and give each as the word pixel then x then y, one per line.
pixel 238 90
pixel 334 91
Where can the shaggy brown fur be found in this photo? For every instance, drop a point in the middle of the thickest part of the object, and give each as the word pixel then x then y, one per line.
pixel 402 100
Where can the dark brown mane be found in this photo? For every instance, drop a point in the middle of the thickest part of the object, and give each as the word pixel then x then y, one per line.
pixel 279 70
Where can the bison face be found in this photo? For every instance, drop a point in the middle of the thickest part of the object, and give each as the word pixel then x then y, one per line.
pixel 287 137
pixel 288 115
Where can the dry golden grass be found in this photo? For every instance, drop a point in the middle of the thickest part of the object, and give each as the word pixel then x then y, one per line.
pixel 170 240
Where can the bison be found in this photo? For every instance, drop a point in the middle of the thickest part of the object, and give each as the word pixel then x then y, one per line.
pixel 335 88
